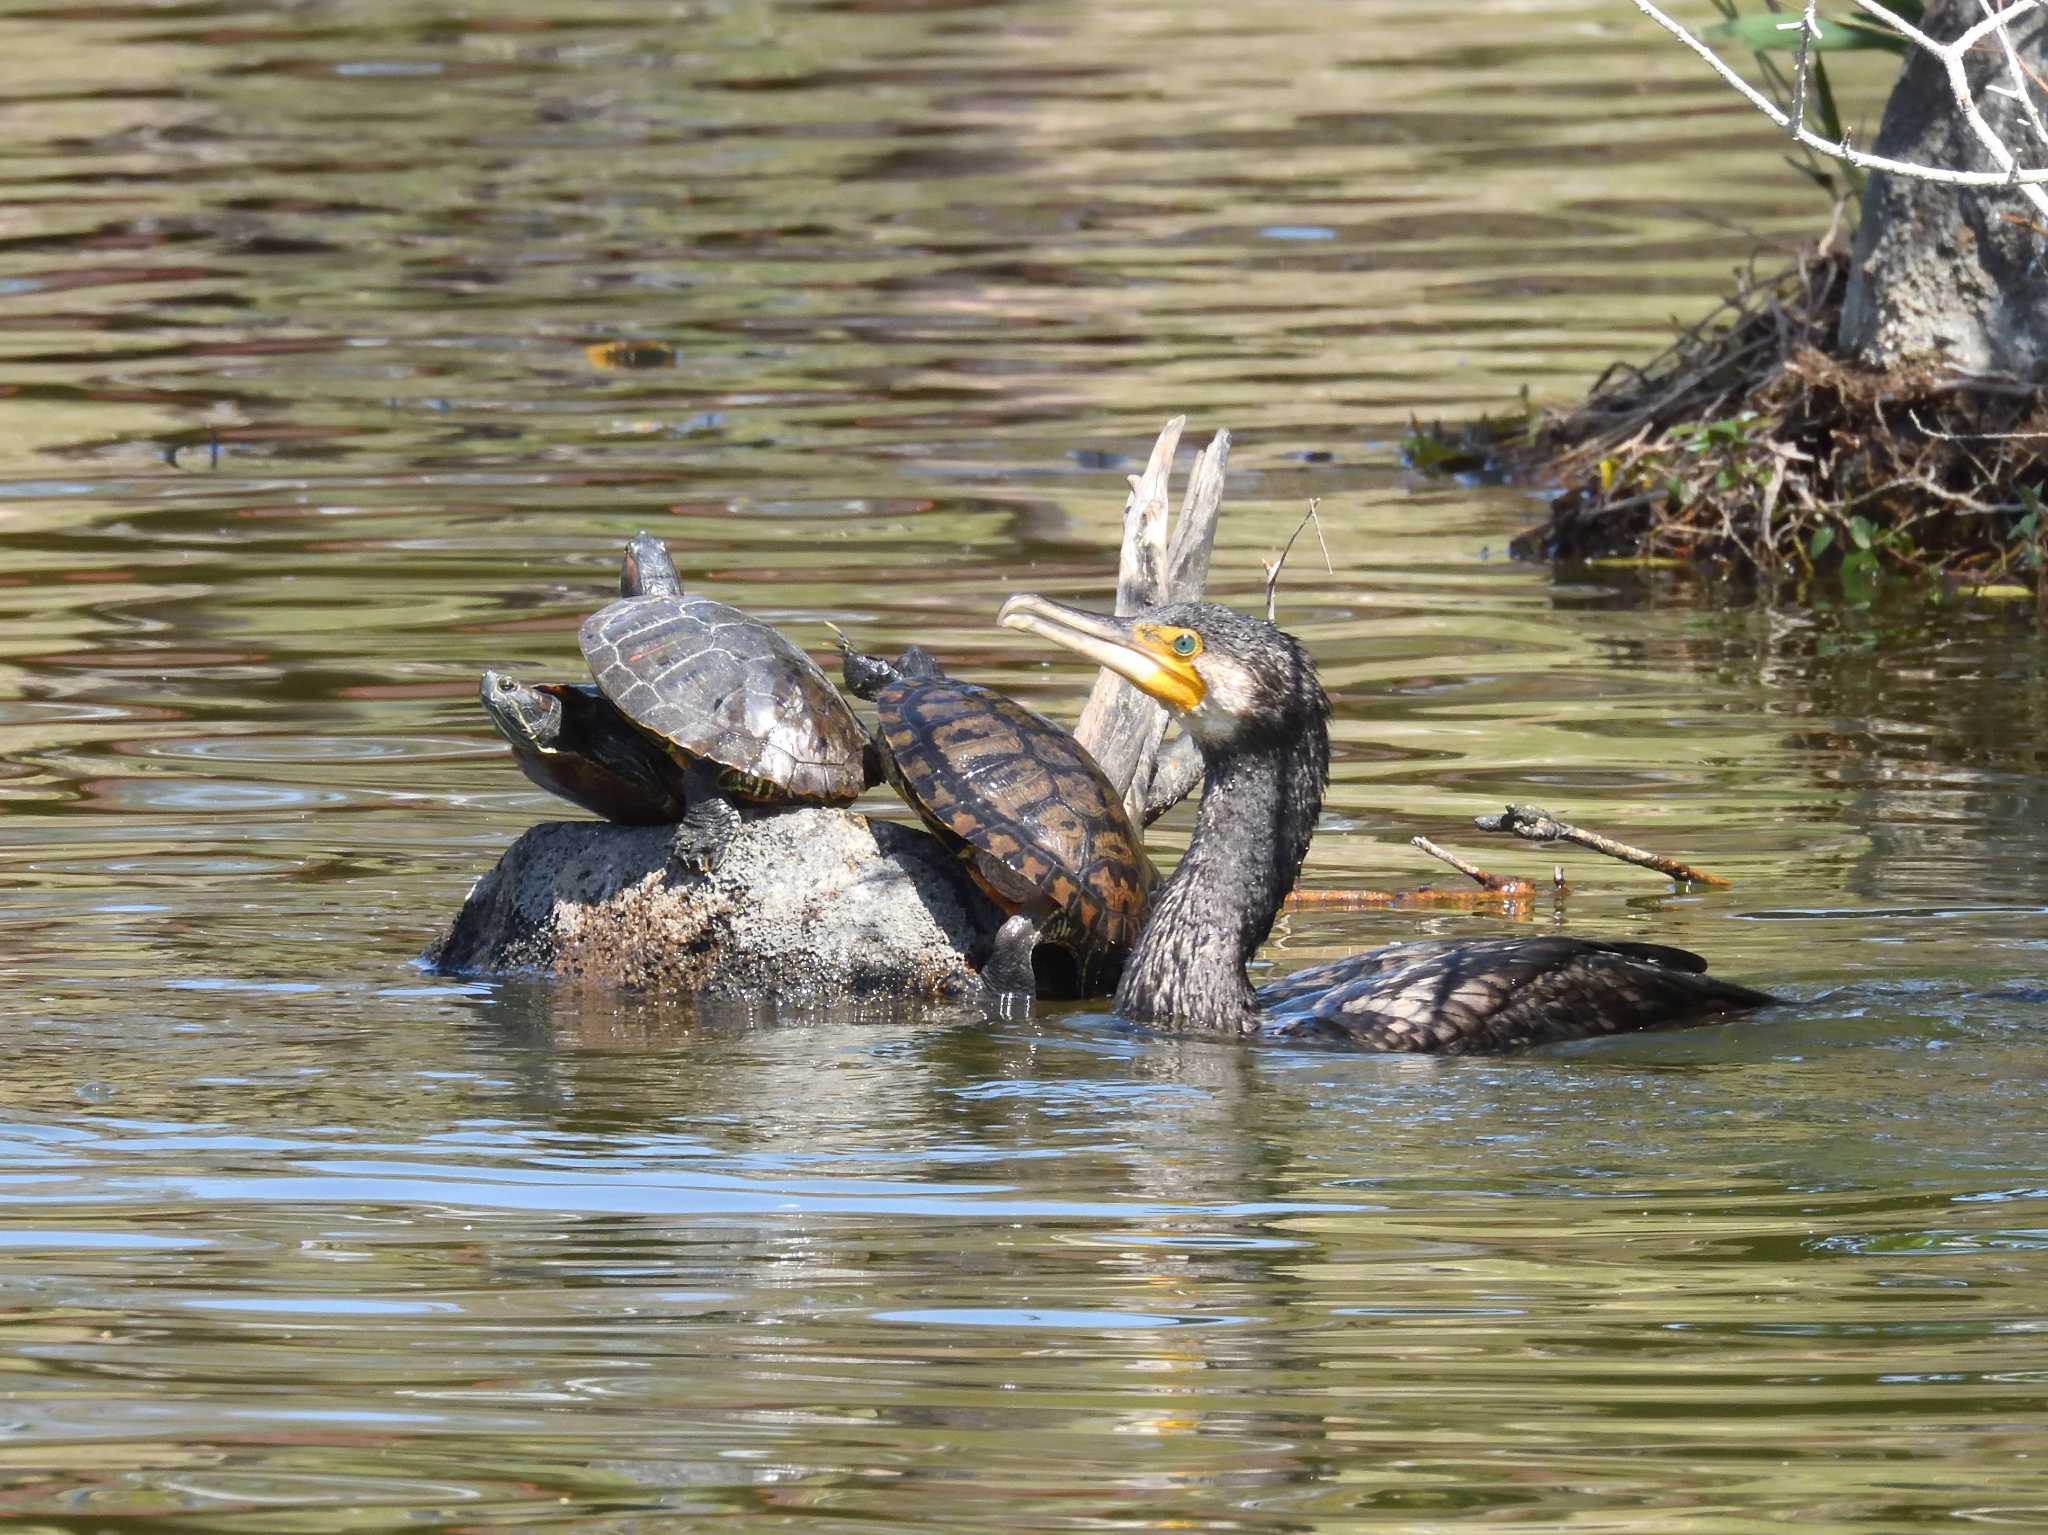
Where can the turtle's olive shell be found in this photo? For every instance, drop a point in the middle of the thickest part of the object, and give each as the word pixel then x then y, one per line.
pixel 1011 784
pixel 716 685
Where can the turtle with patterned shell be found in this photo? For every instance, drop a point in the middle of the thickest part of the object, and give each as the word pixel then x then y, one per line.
pixel 1038 826
pixel 569 739
pixel 740 711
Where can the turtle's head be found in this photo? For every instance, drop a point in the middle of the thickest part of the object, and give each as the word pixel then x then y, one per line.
pixel 865 675
pixel 527 717
pixel 918 662
pixel 647 571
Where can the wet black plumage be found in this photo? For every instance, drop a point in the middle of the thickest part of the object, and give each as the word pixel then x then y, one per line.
pixel 1471 996
pixel 1265 767
pixel 1262 725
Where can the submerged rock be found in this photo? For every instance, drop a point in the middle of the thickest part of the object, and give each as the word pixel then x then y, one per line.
pixel 818 905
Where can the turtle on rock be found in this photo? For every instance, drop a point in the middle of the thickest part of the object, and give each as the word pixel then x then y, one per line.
pixel 1039 827
pixel 740 712
pixel 572 742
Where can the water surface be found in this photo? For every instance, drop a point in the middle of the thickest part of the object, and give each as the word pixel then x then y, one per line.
pixel 341 345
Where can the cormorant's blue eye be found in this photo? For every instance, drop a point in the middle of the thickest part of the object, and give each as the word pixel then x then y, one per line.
pixel 1183 644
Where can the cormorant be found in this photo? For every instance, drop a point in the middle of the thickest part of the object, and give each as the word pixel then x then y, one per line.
pixel 1247 694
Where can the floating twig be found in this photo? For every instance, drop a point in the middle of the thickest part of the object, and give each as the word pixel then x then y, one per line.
pixel 1504 884
pixel 1509 890
pixel 1435 896
pixel 1534 824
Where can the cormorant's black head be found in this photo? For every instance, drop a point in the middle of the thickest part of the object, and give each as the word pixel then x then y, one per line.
pixel 647 571
pixel 1229 679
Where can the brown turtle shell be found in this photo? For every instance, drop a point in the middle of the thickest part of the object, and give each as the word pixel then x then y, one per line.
pixel 714 685
pixel 984 771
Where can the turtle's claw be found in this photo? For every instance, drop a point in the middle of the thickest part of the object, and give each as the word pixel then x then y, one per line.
pixel 699 842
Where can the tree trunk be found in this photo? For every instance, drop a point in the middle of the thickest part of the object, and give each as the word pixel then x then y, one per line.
pixel 1953 275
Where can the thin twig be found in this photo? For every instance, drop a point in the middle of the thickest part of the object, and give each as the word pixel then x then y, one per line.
pixel 1273 566
pixel 1534 824
pixel 1913 417
pixel 2017 91
pixel 1507 884
pixel 1952 55
pixel 1808 29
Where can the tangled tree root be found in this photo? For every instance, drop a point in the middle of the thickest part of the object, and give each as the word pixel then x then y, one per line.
pixel 1749 444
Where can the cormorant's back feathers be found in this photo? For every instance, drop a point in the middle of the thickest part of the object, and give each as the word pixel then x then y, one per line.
pixel 1466 996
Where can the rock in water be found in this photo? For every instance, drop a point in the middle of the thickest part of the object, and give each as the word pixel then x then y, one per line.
pixel 812 905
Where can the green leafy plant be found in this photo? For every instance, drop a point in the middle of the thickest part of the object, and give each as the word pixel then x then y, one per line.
pixel 2030 533
pixel 1778 32
pixel 1772 32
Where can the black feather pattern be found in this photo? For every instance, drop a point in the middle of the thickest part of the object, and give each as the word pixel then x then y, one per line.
pixel 1267 763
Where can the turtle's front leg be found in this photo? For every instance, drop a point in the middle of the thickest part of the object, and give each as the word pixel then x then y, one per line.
pixel 707 828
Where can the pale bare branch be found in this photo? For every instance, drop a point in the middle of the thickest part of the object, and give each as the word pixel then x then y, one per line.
pixel 1809 28
pixel 2018 90
pixel 2031 184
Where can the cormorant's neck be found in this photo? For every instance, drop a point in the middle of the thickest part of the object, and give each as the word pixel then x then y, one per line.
pixel 1260 799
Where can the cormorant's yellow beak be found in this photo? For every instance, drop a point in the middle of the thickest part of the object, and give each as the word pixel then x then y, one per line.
pixel 1156 659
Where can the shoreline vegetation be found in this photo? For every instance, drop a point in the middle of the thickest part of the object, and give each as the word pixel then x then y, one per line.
pixel 1751 447
pixel 1875 409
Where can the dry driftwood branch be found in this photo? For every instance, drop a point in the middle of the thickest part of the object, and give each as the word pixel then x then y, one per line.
pixel 1952 56
pixel 1535 824
pixel 1194 535
pixel 1174 777
pixel 1155 787
pixel 1122 728
pixel 1109 719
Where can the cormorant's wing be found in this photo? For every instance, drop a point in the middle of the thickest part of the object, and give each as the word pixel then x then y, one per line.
pixel 1455 997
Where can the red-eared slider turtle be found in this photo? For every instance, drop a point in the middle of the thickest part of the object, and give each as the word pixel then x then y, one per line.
pixel 572 742
pixel 646 570
pixel 1039 827
pixel 742 712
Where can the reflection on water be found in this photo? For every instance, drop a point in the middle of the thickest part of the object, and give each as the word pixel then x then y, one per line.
pixel 341 346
